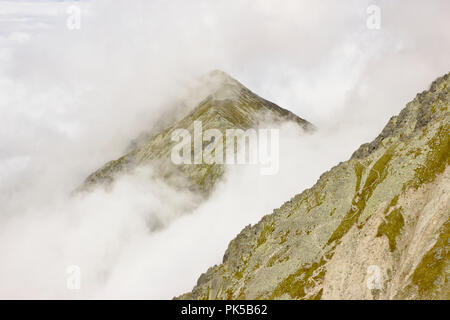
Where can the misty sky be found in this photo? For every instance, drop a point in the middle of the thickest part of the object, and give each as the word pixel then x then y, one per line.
pixel 71 100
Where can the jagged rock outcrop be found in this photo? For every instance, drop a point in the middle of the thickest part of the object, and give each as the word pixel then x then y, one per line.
pixel 374 227
pixel 230 105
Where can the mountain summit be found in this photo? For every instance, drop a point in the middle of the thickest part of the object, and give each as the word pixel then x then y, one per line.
pixel 228 105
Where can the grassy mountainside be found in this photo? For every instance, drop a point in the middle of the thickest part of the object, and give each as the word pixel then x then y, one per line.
pixel 384 213
pixel 229 106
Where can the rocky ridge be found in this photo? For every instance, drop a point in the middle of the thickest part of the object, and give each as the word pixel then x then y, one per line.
pixel 374 227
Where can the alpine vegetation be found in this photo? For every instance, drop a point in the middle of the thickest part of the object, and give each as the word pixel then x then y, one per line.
pixel 242 147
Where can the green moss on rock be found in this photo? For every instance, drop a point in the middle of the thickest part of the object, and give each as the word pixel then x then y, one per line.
pixel 431 275
pixel 297 284
pixel 267 230
pixel 438 157
pixel 376 176
pixel 391 227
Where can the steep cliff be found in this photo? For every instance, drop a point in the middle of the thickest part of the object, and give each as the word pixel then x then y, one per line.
pixel 229 105
pixel 374 227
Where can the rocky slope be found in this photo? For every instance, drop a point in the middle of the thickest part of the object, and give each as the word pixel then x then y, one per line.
pixel 374 227
pixel 229 105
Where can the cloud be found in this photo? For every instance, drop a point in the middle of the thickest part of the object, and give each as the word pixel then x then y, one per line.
pixel 72 100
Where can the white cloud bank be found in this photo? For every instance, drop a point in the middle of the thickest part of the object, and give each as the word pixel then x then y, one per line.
pixel 72 100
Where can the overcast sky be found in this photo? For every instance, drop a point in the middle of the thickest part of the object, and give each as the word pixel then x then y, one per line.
pixel 315 59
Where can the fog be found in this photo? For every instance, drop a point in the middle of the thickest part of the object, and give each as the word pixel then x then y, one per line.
pixel 72 100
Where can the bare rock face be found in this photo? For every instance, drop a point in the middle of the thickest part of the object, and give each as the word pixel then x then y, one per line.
pixel 228 105
pixel 374 227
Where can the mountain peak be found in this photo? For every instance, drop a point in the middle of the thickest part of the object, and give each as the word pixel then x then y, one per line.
pixel 228 105
pixel 233 98
pixel 222 85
